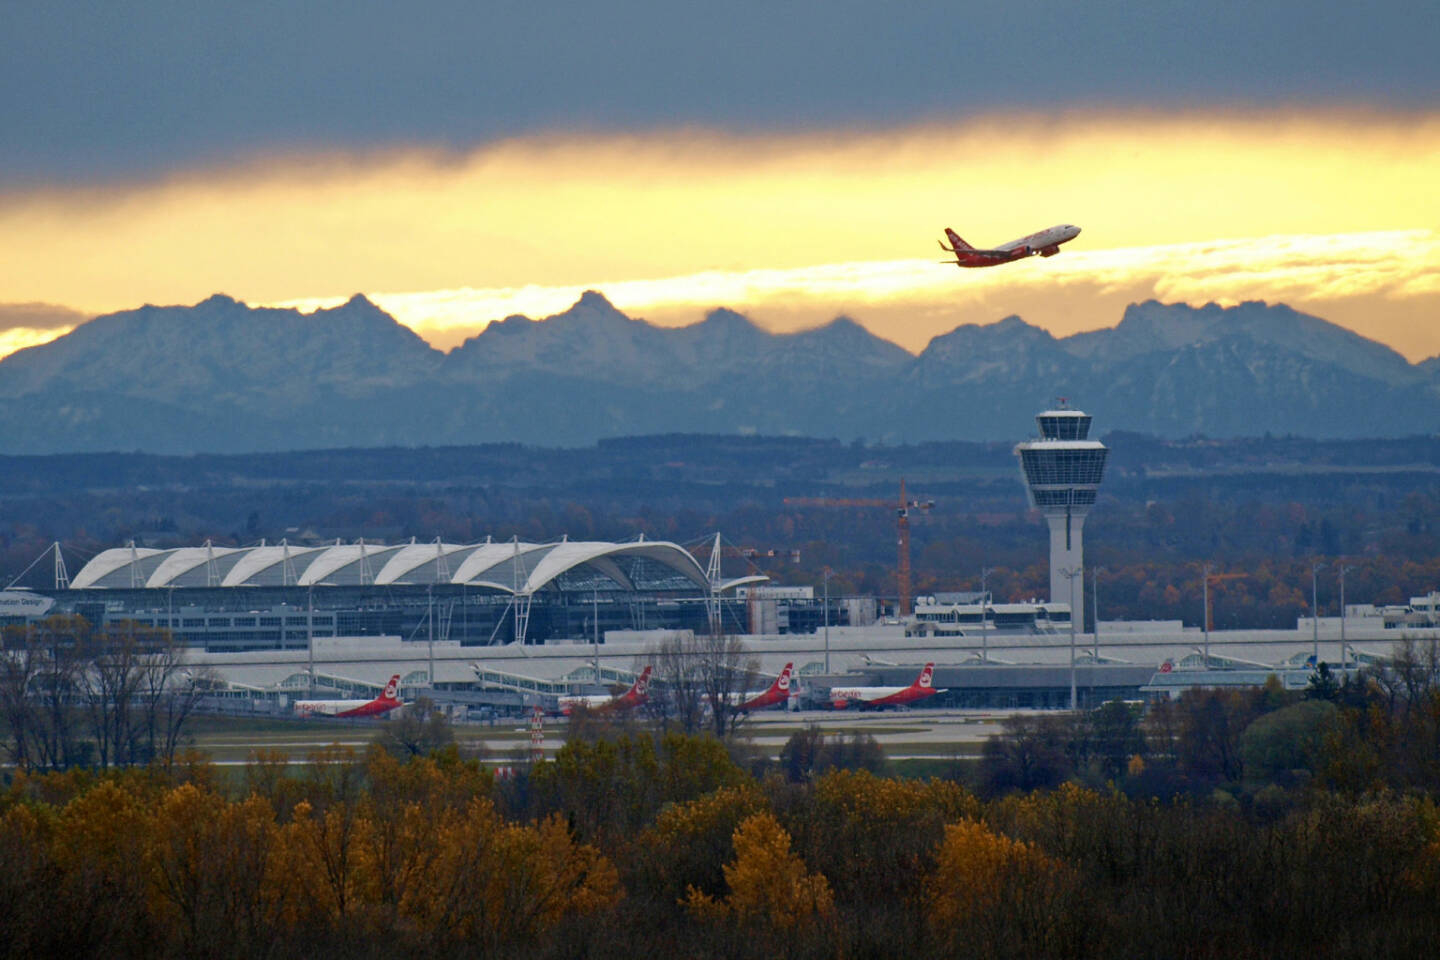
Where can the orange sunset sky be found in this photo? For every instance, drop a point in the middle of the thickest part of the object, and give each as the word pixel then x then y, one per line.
pixel 673 207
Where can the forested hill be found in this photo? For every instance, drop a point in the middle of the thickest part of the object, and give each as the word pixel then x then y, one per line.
pixel 1265 506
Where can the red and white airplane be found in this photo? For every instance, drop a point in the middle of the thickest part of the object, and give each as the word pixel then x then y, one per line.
pixel 601 703
pixel 777 692
pixel 1046 243
pixel 387 701
pixel 867 697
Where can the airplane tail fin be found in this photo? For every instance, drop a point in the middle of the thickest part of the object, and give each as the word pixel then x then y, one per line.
pixel 642 684
pixel 926 678
pixel 392 689
pixel 956 243
pixel 782 682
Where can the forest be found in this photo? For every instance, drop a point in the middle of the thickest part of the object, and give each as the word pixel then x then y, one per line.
pixel 1227 824
pixel 1260 511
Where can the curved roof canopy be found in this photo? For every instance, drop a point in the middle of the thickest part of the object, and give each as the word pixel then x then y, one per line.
pixel 511 567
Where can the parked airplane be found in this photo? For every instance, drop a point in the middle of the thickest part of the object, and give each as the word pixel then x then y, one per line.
pixel 778 692
pixel 387 701
pixel 634 697
pixel 1046 243
pixel 866 697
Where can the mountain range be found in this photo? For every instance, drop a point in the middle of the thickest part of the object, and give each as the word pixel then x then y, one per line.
pixel 224 377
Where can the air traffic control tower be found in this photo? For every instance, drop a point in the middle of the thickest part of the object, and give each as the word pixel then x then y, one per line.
pixel 1062 471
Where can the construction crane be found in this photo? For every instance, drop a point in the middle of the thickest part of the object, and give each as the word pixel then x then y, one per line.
pixel 902 509
pixel 1216 578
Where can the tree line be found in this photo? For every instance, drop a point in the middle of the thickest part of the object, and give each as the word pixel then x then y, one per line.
pixel 1106 834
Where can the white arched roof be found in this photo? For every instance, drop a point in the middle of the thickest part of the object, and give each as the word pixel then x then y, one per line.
pixel 107 562
pixel 414 556
pixel 506 567
pixel 184 559
pixel 488 556
pixel 257 560
pixel 332 561
pixel 571 554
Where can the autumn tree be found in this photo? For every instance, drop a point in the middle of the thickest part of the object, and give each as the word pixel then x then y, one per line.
pixel 766 881
pixel 997 896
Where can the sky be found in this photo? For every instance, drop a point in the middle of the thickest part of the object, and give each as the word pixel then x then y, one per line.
pixel 459 162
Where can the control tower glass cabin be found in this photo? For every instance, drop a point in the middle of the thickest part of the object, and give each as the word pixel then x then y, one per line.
pixel 1062 471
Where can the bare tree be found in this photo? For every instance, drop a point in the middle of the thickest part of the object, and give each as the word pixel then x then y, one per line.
pixel 60 644
pixel 109 683
pixel 20 663
pixel 167 692
pixel 724 672
pixel 683 694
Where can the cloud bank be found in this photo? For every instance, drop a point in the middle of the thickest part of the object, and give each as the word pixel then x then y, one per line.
pixel 1330 211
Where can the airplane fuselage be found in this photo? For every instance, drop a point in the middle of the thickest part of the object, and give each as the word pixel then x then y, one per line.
pixel 867 697
pixel 600 703
pixel 1043 243
pixel 388 700
pixel 344 708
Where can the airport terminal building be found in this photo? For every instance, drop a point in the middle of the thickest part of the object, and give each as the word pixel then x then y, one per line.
pixel 280 596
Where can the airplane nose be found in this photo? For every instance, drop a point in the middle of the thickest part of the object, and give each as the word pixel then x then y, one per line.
pixel 1077 230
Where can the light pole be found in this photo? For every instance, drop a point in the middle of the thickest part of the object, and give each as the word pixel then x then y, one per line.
pixel 985 614
pixel 1205 613
pixel 1070 573
pixel 310 636
pixel 595 628
pixel 826 575
pixel 1342 571
pixel 1315 569
pixel 1095 609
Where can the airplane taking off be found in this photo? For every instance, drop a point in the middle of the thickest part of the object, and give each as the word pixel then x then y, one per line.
pixel 387 701
pixel 778 692
pixel 866 697
pixel 1046 243
pixel 636 695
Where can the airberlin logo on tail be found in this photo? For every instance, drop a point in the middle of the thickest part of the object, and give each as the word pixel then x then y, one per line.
pixel 784 681
pixel 391 688
pixel 925 676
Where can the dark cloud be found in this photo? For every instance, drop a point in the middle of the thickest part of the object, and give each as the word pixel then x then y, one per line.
pixel 38 316
pixel 93 90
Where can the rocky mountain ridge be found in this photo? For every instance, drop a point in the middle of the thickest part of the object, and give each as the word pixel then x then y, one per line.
pixel 221 376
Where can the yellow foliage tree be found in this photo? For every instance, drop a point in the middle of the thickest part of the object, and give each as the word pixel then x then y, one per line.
pixel 766 880
pixel 214 868
pixel 689 843
pixel 495 883
pixel 876 838
pixel 993 892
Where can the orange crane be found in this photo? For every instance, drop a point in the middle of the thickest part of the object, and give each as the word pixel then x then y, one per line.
pixel 902 509
pixel 1216 578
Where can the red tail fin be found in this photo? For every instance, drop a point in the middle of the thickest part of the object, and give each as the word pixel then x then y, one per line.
pixel 782 682
pixel 956 244
pixel 392 689
pixel 642 684
pixel 926 678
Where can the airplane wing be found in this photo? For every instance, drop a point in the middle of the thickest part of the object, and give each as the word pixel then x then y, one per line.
pixel 992 254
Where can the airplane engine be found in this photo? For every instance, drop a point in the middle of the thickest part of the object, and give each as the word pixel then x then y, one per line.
pixel 1050 251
